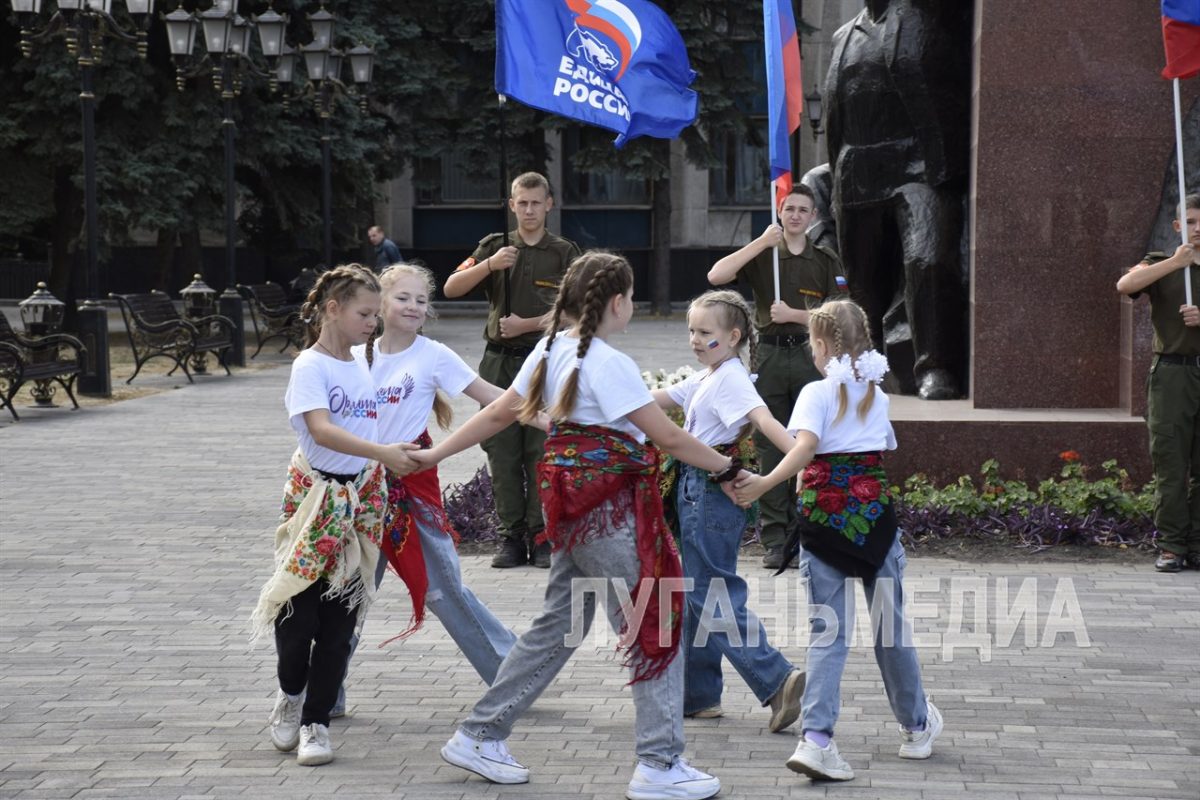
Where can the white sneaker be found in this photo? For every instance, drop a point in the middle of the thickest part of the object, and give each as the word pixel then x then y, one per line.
pixel 488 758
pixel 919 744
pixel 785 705
pixel 285 722
pixel 819 763
pixel 682 781
pixel 315 748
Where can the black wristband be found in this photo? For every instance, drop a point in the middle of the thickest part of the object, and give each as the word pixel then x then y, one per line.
pixel 735 466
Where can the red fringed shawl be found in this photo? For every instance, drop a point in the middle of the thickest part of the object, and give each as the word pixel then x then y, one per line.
pixel 586 465
pixel 413 500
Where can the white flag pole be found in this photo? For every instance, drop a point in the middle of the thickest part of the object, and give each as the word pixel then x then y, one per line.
pixel 1183 228
pixel 775 250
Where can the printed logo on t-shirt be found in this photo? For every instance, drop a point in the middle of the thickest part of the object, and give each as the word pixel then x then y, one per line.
pixel 691 423
pixel 341 405
pixel 394 394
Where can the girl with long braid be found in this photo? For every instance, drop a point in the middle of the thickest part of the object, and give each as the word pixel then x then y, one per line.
pixel 848 528
pixel 720 408
pixel 327 543
pixel 413 375
pixel 603 521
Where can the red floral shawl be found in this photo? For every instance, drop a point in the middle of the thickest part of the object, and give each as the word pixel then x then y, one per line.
pixel 413 500
pixel 586 465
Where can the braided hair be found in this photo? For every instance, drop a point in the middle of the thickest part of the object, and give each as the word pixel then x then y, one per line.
pixel 733 313
pixel 338 284
pixel 843 326
pixel 591 281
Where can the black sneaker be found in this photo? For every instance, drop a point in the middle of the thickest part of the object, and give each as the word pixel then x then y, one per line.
pixel 510 552
pixel 773 559
pixel 539 556
pixel 1168 562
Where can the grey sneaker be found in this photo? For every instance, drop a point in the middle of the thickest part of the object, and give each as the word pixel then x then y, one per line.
pixel 712 712
pixel 681 782
pixel 285 722
pixel 822 764
pixel 315 747
pixel 487 758
pixel 339 705
pixel 785 704
pixel 919 744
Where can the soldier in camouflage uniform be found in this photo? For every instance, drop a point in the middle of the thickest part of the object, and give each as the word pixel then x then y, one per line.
pixel 808 276
pixel 1173 393
pixel 520 280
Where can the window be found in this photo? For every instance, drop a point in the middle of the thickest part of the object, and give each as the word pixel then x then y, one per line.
pixel 743 176
pixel 597 188
pixel 448 180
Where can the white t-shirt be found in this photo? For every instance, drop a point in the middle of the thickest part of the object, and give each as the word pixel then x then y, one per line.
pixel 345 389
pixel 405 383
pixel 610 384
pixel 817 405
pixel 716 403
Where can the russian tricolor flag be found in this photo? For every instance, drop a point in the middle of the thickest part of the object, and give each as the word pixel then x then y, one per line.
pixel 1181 38
pixel 785 94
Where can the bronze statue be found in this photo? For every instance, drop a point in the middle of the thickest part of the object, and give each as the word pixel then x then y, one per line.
pixel 898 130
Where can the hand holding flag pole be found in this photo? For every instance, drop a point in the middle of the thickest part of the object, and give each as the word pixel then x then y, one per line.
pixel 501 100
pixel 1181 43
pixel 785 101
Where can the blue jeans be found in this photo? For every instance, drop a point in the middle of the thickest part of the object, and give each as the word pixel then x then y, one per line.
pixel 576 575
pixel 482 638
pixel 711 527
pixel 831 621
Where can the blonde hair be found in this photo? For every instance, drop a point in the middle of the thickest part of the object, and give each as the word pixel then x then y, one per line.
pixel 531 180
pixel 338 284
pixel 842 325
pixel 592 280
pixel 732 312
pixel 442 411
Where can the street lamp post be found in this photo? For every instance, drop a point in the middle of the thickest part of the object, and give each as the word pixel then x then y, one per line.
pixel 227 38
pixel 323 62
pixel 82 23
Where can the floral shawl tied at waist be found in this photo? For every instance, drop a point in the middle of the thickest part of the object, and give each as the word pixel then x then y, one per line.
pixel 328 530
pixel 846 512
pixel 586 465
pixel 413 501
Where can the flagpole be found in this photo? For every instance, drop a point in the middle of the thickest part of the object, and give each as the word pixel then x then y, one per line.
pixel 503 172
pixel 1183 228
pixel 775 250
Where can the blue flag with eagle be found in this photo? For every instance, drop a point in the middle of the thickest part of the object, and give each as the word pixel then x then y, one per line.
pixel 618 64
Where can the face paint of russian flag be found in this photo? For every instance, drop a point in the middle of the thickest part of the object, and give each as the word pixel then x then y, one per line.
pixel 841 281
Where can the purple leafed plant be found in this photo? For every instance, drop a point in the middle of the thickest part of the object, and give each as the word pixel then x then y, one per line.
pixel 471 508
pixel 1032 528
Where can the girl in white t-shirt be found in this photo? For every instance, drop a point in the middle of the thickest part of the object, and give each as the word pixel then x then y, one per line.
pixel 410 372
pixel 848 528
pixel 605 525
pixel 720 406
pixel 327 544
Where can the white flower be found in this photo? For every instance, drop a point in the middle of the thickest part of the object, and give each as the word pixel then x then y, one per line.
pixel 839 370
pixel 871 366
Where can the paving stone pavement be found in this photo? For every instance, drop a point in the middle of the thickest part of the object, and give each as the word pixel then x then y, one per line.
pixel 134 537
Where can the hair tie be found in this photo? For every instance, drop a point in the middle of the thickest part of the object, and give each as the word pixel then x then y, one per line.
pixel 578 363
pixel 546 353
pixel 840 370
pixel 871 366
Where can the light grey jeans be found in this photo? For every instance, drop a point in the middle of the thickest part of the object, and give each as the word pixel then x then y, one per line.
pixel 545 648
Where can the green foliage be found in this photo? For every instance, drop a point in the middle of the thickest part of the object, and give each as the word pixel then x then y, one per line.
pixel 1112 493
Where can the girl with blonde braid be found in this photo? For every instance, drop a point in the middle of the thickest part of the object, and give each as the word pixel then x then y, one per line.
pixel 848 528
pixel 327 544
pixel 604 522
pixel 412 376
pixel 720 407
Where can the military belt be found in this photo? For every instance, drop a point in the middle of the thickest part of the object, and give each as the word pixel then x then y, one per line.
pixel 1176 358
pixel 515 352
pixel 797 340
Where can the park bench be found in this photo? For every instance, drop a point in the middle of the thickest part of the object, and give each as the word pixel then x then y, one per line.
pixel 279 318
pixel 156 328
pixel 42 359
